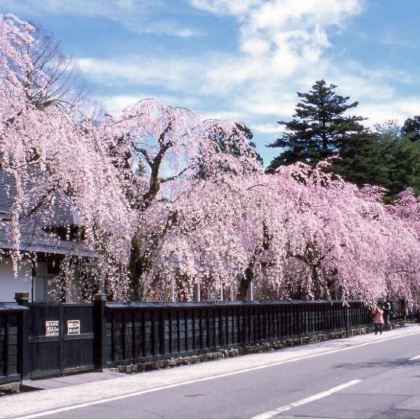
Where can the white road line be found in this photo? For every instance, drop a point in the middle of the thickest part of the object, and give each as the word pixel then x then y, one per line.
pixel 208 378
pixel 282 409
pixel 415 357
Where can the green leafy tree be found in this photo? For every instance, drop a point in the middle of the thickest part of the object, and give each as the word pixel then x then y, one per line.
pixel 399 158
pixel 319 128
pixel 388 157
pixel 411 128
pixel 360 162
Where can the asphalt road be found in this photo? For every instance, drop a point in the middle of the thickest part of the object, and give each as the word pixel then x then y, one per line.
pixel 354 379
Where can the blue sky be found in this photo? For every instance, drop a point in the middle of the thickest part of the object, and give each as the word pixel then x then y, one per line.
pixel 239 59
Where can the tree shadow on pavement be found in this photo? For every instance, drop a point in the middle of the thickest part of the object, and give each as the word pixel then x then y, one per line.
pixel 402 362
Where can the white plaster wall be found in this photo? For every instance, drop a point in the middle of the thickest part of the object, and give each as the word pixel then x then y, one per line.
pixel 41 283
pixel 9 284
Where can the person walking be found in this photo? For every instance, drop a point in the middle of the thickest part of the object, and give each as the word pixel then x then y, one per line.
pixel 378 319
pixel 387 315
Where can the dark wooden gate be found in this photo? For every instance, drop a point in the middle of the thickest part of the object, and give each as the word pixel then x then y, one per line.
pixel 60 339
pixel 11 334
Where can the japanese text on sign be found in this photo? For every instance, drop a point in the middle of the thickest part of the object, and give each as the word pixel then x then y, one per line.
pixel 51 328
pixel 73 327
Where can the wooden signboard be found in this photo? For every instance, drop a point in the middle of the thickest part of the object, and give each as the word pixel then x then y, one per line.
pixel 73 327
pixel 52 328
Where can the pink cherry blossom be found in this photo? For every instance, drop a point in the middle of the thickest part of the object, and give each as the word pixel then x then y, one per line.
pixel 175 207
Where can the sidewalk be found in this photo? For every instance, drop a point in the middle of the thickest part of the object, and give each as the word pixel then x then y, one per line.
pixel 88 387
pixel 69 380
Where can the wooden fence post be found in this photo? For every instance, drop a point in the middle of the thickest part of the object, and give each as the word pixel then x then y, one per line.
pixel 347 321
pixel 22 299
pixel 99 322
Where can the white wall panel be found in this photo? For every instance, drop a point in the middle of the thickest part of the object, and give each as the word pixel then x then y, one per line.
pixel 9 284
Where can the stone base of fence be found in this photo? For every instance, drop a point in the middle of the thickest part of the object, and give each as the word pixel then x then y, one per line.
pixel 10 388
pixel 238 351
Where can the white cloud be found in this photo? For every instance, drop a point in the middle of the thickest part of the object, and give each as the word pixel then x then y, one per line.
pixel 171 73
pixel 283 46
pixel 115 104
pixel 220 114
pixel 295 27
pixel 139 16
pixel 397 110
pixel 71 7
pixel 226 7
pixel 267 128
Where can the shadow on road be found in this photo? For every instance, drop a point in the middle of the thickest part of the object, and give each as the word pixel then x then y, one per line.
pixel 402 362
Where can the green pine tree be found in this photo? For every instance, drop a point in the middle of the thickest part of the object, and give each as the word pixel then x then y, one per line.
pixel 359 161
pixel 411 128
pixel 319 129
pixel 399 157
pixel 388 157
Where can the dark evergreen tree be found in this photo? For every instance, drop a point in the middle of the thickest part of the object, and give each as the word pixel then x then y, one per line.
pixel 384 157
pixel 319 129
pixel 399 158
pixel 387 158
pixel 411 128
pixel 360 162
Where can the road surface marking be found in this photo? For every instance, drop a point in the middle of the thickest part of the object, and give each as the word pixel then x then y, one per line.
pixel 415 357
pixel 282 409
pixel 208 378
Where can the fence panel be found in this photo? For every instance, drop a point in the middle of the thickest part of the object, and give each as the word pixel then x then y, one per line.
pixel 11 341
pixel 60 339
pixel 78 338
pixel 138 332
pixel 40 340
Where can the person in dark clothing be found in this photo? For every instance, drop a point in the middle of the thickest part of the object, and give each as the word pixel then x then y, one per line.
pixel 387 315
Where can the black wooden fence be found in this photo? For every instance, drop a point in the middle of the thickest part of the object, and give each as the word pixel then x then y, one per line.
pixel 141 332
pixel 40 340
pixel 11 329
pixel 69 344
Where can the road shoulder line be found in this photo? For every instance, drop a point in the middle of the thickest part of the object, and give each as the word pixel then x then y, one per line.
pixel 307 400
pixel 195 380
